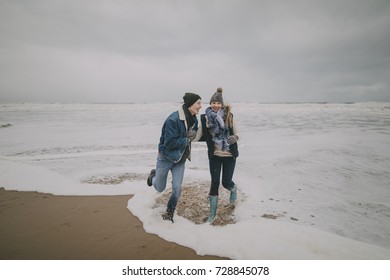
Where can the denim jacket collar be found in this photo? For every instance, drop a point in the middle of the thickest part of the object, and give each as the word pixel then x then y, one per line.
pixel 182 117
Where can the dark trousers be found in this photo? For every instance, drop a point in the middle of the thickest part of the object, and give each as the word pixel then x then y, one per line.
pixel 227 165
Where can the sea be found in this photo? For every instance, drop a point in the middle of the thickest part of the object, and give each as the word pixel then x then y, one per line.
pixel 313 178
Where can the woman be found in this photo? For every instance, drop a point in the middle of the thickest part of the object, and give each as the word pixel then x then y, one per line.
pixel 220 133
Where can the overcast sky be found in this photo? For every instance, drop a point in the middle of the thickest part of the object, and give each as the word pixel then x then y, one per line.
pixel 142 51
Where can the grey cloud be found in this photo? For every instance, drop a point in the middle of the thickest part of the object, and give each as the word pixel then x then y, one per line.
pixel 113 51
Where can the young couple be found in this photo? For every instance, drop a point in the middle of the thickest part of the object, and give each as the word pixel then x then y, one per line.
pixel 181 128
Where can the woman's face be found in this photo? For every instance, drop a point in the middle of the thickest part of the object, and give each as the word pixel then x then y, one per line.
pixel 216 106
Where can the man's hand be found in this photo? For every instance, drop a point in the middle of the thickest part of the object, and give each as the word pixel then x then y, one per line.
pixel 191 134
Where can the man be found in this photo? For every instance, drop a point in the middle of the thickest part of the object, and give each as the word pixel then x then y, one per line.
pixel 174 149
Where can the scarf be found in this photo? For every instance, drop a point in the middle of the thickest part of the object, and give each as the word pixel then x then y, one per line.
pixel 189 117
pixel 218 129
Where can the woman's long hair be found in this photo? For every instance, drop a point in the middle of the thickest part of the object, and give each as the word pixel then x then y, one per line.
pixel 229 116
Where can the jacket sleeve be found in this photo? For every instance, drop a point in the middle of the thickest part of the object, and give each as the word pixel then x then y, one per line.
pixel 199 135
pixel 173 137
pixel 235 129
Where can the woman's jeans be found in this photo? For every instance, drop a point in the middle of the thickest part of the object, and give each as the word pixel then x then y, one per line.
pixel 227 164
pixel 163 166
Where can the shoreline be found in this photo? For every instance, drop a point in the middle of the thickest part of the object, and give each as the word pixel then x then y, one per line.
pixel 38 226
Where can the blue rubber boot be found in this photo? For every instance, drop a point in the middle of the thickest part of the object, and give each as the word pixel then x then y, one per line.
pixel 213 208
pixel 233 195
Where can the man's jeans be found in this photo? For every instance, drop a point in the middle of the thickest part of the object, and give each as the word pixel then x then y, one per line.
pixel 163 166
pixel 227 164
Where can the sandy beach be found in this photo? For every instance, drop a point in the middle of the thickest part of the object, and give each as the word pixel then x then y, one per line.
pixel 36 226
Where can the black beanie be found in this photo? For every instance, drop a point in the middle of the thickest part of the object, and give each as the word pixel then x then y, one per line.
pixel 190 98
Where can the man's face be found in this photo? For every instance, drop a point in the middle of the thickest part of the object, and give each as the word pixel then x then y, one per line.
pixel 194 109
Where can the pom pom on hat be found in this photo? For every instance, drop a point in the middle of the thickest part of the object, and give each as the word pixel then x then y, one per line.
pixel 190 98
pixel 217 96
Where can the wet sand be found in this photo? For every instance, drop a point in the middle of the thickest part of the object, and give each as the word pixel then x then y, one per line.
pixel 35 226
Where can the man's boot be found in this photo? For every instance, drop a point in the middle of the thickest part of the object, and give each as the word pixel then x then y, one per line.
pixel 168 215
